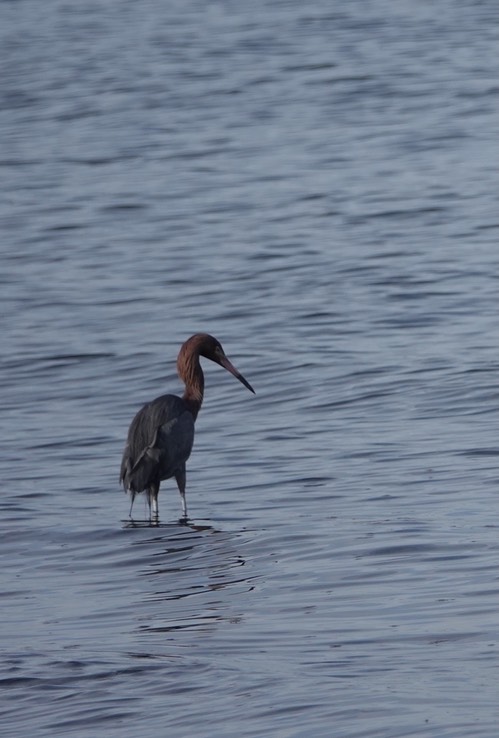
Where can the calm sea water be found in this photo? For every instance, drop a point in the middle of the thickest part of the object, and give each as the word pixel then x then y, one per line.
pixel 315 184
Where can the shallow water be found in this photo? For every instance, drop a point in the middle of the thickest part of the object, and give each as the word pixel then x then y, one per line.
pixel 315 185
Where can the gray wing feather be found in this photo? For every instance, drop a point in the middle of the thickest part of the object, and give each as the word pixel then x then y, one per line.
pixel 159 442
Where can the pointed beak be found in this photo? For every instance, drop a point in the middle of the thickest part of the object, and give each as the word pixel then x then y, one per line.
pixel 232 369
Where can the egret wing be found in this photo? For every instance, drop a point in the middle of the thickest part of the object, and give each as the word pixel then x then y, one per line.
pixel 159 441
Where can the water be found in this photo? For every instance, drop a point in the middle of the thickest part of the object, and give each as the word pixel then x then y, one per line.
pixel 315 185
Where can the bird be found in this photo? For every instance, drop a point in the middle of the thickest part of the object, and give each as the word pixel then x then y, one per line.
pixel 161 435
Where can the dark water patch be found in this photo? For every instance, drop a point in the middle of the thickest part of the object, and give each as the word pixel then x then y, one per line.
pixel 486 227
pixel 101 161
pixel 20 162
pixel 123 207
pixel 479 452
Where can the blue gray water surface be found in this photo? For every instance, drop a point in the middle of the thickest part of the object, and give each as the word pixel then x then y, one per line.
pixel 315 184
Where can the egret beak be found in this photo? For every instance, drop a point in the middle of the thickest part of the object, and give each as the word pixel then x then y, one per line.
pixel 223 360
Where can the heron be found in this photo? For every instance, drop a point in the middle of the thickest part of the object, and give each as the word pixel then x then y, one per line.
pixel 161 435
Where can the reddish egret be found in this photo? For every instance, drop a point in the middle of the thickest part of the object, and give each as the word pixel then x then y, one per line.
pixel 161 435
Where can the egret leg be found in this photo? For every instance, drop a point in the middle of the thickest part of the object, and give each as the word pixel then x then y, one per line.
pixel 132 495
pixel 152 498
pixel 180 477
